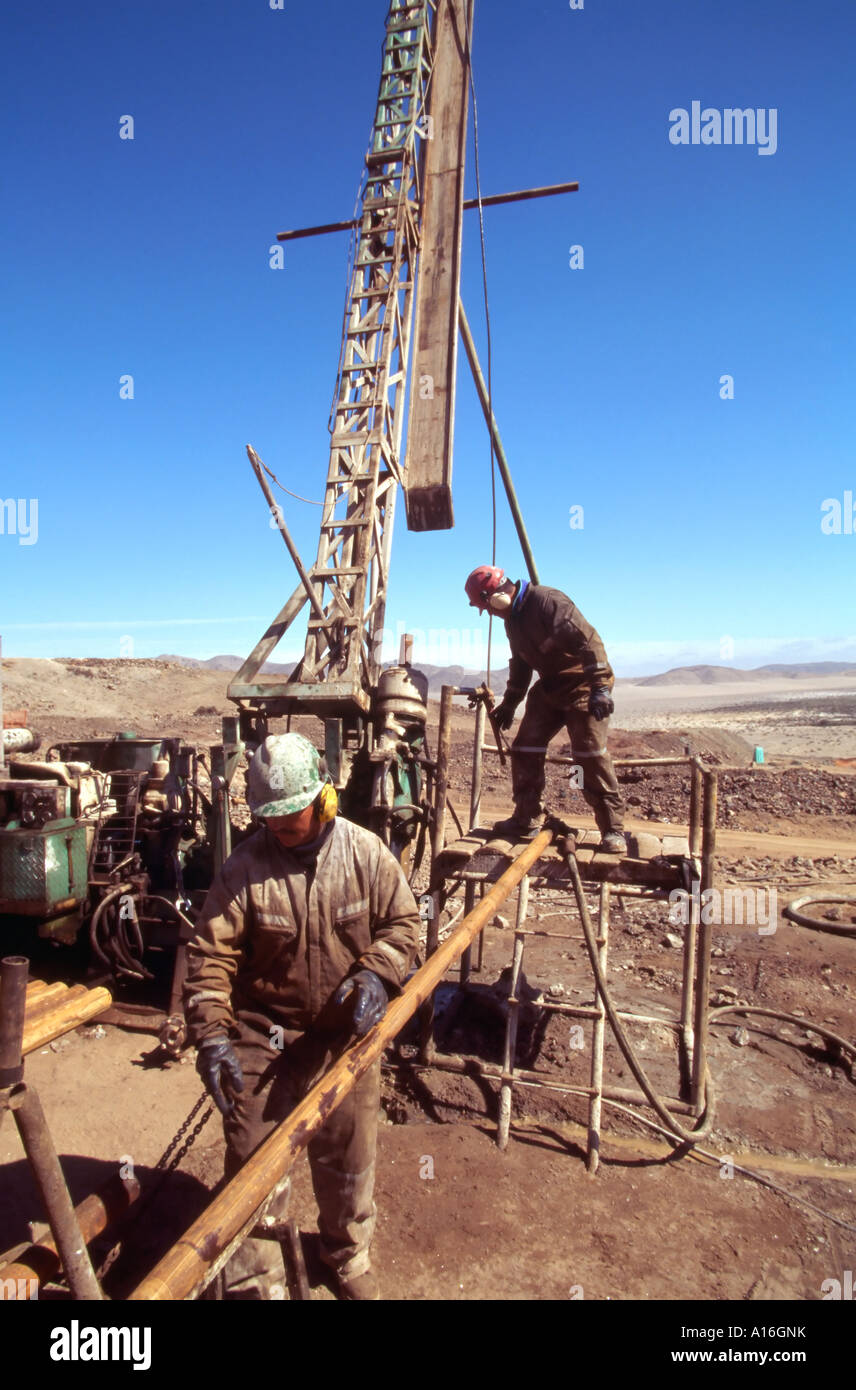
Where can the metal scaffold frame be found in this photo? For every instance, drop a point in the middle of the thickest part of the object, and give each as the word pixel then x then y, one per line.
pixel 606 874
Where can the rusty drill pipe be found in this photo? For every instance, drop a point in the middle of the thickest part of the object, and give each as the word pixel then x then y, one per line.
pixel 183 1269
pixel 441 781
pixel 50 1180
pixel 42 1261
pixel 35 1135
pixel 438 841
pixel 704 942
pixel 49 1020
pixel 13 1005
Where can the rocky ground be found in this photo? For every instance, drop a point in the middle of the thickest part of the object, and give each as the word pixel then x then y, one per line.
pixel 747 800
pixel 530 1223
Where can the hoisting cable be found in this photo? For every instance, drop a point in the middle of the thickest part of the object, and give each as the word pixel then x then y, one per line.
pixel 469 62
pixel 310 500
pixel 738 1167
pixel 843 1044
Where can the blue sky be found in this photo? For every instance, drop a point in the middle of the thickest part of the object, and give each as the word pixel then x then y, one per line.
pixel 701 538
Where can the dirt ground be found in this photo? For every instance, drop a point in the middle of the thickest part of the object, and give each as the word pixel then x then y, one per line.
pixel 458 1219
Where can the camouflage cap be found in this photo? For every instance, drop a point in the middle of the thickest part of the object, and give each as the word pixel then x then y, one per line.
pixel 285 776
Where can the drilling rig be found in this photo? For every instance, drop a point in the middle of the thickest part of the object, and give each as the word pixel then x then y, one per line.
pixel 125 837
pixel 402 319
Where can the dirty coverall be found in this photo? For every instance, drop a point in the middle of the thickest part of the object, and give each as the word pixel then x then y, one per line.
pixel 547 633
pixel 279 931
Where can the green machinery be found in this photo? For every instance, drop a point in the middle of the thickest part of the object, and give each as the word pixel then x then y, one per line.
pixel 43 852
pixel 112 836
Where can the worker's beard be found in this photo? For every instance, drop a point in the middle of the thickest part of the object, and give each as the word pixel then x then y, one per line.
pixel 299 839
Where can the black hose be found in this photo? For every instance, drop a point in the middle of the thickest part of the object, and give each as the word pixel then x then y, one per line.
pixel 803 920
pixel 120 960
pixel 836 1038
pixel 687 1136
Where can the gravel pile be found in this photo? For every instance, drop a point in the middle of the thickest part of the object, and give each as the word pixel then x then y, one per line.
pixel 743 796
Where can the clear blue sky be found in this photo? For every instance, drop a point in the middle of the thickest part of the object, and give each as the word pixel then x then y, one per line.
pixel 150 257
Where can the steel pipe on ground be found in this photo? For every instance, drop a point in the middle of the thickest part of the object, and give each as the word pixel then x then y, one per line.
pixel 183 1269
pixel 42 1261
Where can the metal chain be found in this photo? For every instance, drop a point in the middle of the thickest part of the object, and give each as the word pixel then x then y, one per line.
pixel 109 1260
pixel 165 1164
pixel 194 1134
pixel 161 1165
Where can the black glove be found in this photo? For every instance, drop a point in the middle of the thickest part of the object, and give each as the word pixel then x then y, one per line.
pixel 369 999
pixel 216 1062
pixel 504 715
pixel 601 703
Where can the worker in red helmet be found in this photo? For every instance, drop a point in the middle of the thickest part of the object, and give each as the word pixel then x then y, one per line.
pixel 549 635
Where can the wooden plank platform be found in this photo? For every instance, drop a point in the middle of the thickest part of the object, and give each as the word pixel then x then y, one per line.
pixel 651 861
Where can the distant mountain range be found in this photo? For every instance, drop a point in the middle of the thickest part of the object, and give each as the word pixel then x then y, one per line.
pixel 229 663
pixel 717 675
pixel 439 676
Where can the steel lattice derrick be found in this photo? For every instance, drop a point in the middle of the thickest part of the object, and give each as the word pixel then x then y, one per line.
pixel 341 660
pixel 351 567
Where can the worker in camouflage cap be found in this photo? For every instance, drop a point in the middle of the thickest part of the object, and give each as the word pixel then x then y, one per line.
pixel 306 932
pixel 285 776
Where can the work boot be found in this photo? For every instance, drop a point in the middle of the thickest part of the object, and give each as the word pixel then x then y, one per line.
pixel 362 1287
pixel 518 828
pixel 613 843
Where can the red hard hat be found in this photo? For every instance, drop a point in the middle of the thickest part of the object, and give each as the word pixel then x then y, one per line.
pixel 484 581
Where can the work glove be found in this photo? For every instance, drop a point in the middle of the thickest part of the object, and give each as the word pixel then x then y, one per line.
pixel 504 715
pixel 601 704
pixel 369 999
pixel 216 1062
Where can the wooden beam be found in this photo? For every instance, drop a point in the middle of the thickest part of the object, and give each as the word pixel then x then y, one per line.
pixel 52 1010
pixel 492 200
pixel 430 430
pixel 262 650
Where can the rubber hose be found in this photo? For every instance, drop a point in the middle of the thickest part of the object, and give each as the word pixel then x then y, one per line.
pixel 688 1136
pixel 794 915
pixel 96 918
pixel 836 1038
pixel 125 963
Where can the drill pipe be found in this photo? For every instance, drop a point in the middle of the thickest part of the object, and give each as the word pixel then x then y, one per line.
pixel 182 1270
pixel 42 1260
